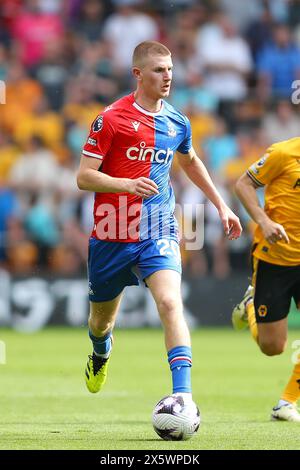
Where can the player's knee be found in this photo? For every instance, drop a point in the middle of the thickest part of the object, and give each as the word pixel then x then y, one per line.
pixel 100 325
pixel 168 305
pixel 272 348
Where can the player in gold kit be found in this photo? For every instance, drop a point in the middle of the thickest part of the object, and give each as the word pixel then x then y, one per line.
pixel 276 259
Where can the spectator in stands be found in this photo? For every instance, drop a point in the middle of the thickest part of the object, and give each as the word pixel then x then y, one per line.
pixel 22 95
pixel 216 245
pixel 33 29
pixel 187 66
pixel 241 13
pixel 124 30
pixel 63 260
pixel 9 154
pixel 282 123
pixel 80 104
pixel 3 62
pixel 219 147
pixel 188 79
pixel 90 21
pixel 8 211
pixel 248 152
pixel 9 11
pixel 42 122
pixel 36 171
pixel 226 60
pixel 52 74
pixel 278 65
pixel 41 226
pixel 95 68
pixel 259 31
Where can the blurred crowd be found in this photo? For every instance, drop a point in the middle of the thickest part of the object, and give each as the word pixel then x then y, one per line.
pixel 63 61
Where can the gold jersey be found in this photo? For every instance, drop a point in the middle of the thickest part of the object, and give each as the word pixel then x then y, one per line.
pixel 279 171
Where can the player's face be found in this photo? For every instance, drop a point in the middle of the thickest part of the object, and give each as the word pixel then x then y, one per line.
pixel 156 76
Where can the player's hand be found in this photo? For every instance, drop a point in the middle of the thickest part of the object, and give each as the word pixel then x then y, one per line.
pixel 143 187
pixel 231 223
pixel 273 232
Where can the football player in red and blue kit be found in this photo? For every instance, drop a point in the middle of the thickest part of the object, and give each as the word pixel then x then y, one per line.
pixel 126 161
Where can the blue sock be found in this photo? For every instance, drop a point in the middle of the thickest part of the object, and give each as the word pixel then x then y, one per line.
pixel 102 346
pixel 180 360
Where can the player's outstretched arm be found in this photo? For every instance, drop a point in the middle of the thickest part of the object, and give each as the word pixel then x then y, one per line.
pixel 198 174
pixel 246 192
pixel 90 179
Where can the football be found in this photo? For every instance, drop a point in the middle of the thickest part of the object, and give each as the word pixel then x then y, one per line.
pixel 176 419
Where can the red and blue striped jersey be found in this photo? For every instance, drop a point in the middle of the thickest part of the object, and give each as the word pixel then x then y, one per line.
pixel 131 142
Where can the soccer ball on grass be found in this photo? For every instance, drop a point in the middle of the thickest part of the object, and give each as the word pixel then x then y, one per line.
pixel 175 418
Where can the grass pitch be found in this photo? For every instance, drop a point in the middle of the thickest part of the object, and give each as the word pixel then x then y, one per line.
pixel 44 403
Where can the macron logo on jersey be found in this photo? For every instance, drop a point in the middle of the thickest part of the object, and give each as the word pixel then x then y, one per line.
pixel 136 125
pixel 148 153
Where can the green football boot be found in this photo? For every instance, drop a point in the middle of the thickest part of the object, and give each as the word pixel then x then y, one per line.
pixel 96 372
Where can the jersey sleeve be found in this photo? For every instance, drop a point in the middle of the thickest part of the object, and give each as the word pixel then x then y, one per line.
pixel 266 169
pixel 100 138
pixel 186 145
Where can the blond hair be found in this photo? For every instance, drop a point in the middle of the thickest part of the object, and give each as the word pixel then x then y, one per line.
pixel 147 48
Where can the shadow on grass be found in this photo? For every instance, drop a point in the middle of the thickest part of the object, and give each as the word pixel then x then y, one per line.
pixel 138 439
pixel 80 423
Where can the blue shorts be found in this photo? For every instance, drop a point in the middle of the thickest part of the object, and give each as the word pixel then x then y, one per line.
pixel 115 265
